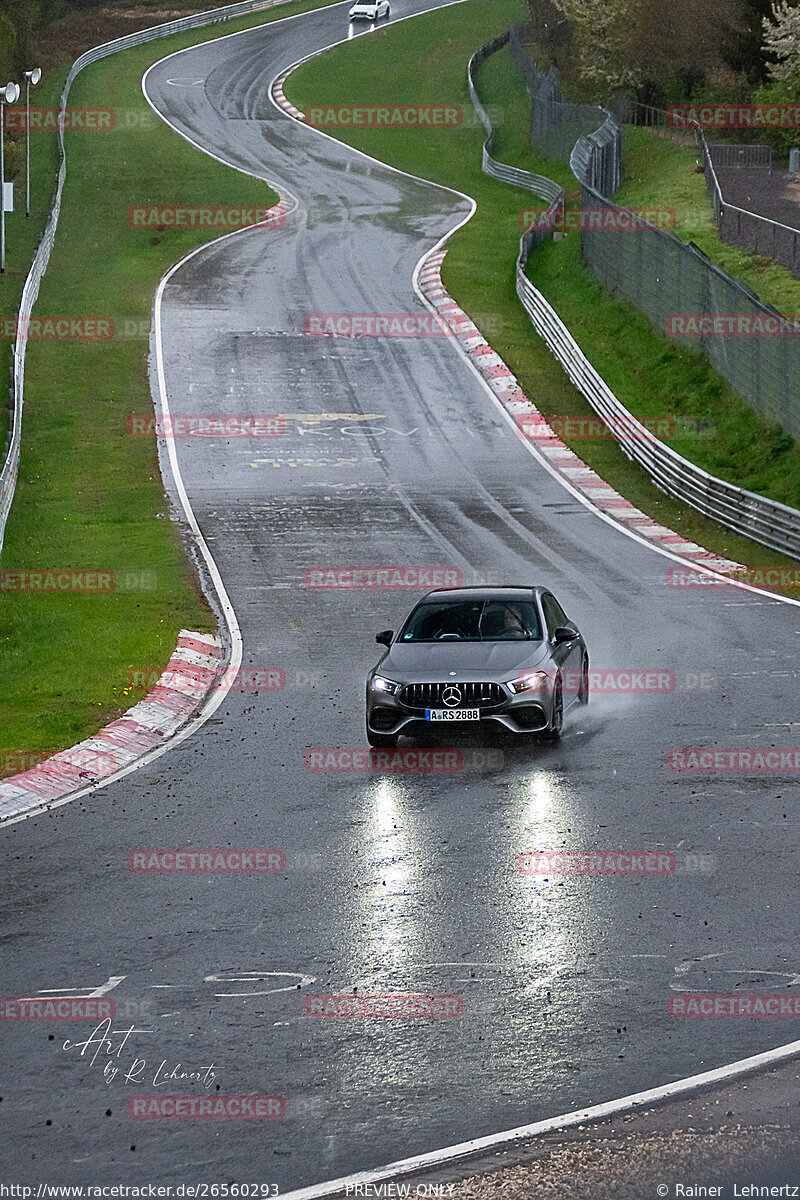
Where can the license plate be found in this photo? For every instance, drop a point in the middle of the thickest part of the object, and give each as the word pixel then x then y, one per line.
pixel 452 714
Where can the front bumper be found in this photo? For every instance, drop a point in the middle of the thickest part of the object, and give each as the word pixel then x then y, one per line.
pixel 523 713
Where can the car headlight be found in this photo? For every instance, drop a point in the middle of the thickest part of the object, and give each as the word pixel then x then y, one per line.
pixel 385 685
pixel 531 681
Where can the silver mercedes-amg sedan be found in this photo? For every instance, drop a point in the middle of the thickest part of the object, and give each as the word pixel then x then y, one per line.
pixel 472 658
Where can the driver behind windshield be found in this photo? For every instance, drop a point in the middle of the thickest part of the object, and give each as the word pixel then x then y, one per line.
pixel 487 621
pixel 514 623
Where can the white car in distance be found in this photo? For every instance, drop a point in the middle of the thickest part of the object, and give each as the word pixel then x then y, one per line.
pixel 370 10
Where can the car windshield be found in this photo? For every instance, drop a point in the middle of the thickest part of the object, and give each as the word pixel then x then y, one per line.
pixel 473 621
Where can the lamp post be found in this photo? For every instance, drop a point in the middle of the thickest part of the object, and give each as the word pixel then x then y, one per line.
pixel 31 77
pixel 8 95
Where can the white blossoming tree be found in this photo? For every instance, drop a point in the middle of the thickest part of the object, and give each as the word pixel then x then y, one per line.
pixel 782 39
pixel 599 31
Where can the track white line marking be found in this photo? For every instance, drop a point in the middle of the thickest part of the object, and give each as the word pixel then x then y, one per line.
pixel 596 1112
pixel 424 265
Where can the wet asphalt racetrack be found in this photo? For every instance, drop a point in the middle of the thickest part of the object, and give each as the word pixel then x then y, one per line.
pixel 394 882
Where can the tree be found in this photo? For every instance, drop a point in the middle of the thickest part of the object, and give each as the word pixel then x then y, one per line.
pixel 741 47
pixel 663 51
pixel 782 41
pixel 599 34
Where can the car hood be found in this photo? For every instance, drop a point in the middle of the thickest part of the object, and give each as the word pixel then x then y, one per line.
pixel 422 662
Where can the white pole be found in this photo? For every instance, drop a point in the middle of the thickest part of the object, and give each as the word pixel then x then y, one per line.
pixel 27 144
pixel 2 184
pixel 8 95
pixel 31 77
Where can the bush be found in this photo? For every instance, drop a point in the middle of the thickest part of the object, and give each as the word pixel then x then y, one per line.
pixel 781 140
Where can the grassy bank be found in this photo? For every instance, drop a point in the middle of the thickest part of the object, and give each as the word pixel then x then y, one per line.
pixel 650 376
pixel 89 496
pixel 661 174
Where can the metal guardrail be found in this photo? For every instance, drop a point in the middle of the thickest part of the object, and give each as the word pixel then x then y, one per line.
pixel 540 185
pixel 547 189
pixel 559 126
pixel 596 159
pixel 766 521
pixel 8 476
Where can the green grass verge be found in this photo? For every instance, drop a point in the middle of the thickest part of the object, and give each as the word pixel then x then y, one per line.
pixel 89 496
pixel 649 374
pixel 661 174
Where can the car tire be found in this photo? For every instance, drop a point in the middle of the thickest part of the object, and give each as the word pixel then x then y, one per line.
pixel 583 690
pixel 557 719
pixel 381 741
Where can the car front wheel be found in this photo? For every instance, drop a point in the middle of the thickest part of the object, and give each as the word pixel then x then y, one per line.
pixel 583 690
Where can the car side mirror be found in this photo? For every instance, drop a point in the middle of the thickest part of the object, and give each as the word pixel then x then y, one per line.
pixel 385 638
pixel 565 633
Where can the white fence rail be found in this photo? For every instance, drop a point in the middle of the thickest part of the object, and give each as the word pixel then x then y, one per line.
pixel 8 476
pixel 727 155
pixel 773 524
pixel 766 521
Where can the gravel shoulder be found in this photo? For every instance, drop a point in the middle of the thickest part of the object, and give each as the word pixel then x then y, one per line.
pixel 738 1136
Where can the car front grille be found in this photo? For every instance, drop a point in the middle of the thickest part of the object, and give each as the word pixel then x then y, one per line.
pixel 472 695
